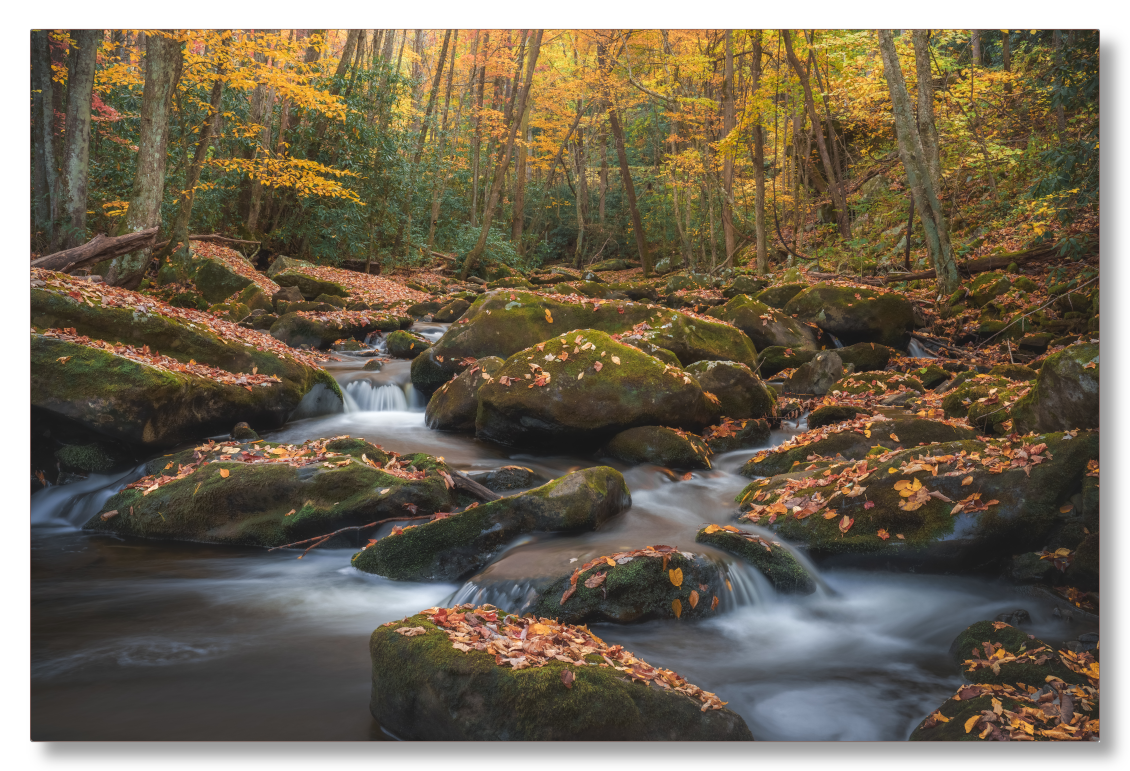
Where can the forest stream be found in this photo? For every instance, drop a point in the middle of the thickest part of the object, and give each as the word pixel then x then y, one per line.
pixel 151 640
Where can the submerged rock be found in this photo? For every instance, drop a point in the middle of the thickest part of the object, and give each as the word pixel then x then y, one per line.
pixel 773 560
pixel 453 406
pixel 582 388
pixel 456 546
pixel 426 689
pixel 661 446
pixel 323 330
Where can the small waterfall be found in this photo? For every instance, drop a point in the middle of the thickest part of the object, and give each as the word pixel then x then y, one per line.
pixel 364 396
pixel 72 505
pixel 919 351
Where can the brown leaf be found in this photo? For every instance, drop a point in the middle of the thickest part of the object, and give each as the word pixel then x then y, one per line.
pixel 694 598
pixel 411 631
pixel 596 580
pixel 568 593
pixel 677 606
pixel 567 675
pixel 714 602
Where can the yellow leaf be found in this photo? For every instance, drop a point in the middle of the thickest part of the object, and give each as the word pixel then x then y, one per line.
pixel 1065 508
pixel 678 608
pixel 540 629
pixel 972 722
pixel 894 437
pixel 867 433
pixel 548 316
pixel 615 359
pixel 676 576
pixel 967 481
pixel 224 472
pixel 712 529
pixel 611 562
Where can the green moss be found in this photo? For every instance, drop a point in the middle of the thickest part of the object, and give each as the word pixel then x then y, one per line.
pixel 777 563
pixel 216 281
pixel 1014 640
pixel 88 458
pixel 866 357
pixel 856 315
pixel 832 414
pixel 740 393
pixel 1013 372
pixel 775 359
pixel 662 446
pixel 778 296
pixel 405 345
pixel 309 286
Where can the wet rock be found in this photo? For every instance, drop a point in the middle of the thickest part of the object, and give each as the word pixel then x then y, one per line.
pixel 454 547
pixel 658 445
pixel 900 399
pixel 348 346
pixel 296 329
pixel 816 376
pixel 289 294
pixel 831 414
pixel 852 444
pixel 452 311
pixel 856 315
pixel 771 559
pixel 373 365
pixel 733 435
pixel 1084 570
pixel 271 504
pixel 1016 372
pixel 424 689
pixel 577 403
pixel 1016 617
pixel 405 345
pixel 243 433
pixel 774 359
pixel 635 587
pixel 766 326
pixel 509 478
pixel 423 309
pixel 878 383
pixel 744 285
pixel 453 406
pixel 1065 395
pixel 740 393
pixel 1029 568
pixel 866 357
pixel 779 296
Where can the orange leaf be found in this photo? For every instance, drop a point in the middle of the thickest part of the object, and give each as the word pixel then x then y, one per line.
pixel 676 576
pixel 714 602
pixel 694 598
pixel 884 534
pixel 678 608
pixel 224 472
pixel 712 529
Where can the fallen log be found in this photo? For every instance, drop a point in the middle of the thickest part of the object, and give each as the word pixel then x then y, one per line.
pixel 97 249
pixel 465 483
pixel 209 237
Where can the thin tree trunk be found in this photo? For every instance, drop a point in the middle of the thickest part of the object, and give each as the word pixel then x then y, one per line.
pixel 476 142
pixel 759 163
pixel 504 158
pixel 582 194
pixel 262 102
pixel 76 157
pixel 441 170
pixel 917 170
pixel 975 45
pixel 1060 118
pixel 926 128
pixel 519 201
pixel 1006 51
pixel 834 187
pixel 728 159
pixel 162 66
pixel 42 138
pixel 603 171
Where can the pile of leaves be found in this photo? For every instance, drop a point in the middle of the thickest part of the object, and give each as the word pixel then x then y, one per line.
pixel 236 262
pixel 520 642
pixel 153 359
pixel 365 286
pixel 342 318
pixel 1048 713
pixel 114 297
pixel 623 558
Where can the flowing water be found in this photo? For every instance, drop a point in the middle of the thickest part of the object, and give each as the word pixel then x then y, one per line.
pixel 159 640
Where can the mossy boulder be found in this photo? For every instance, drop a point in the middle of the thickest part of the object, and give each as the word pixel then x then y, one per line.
pixel 771 559
pixel 405 345
pixel 1024 516
pixel 452 311
pixel 309 286
pixel 425 308
pixel 509 478
pixel 853 444
pixel 779 296
pixel 777 358
pixel 510 282
pixel 92 458
pixel 877 383
pixel 856 315
pixel 740 393
pixel 1013 640
pixel 216 280
pixel 271 504
pixel 1084 570
pixel 424 689
pixel 636 588
pixel 233 311
pixel 746 285
pixel 454 547
pixel 577 403
pixel 661 446
pixel 332 300
pixel 817 376
pixel 282 263
pixel 732 435
pixel 594 289
pixel 766 326
pixel 453 406
pixel 614 264
pixel 1066 393
pixel 318 331
pixel 866 357
pixel 930 376
pixel 287 294
pixel 830 414
pixel 255 298
pixel 496 325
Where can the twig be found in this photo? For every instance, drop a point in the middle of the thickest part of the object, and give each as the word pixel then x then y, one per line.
pixel 1029 313
pixel 323 538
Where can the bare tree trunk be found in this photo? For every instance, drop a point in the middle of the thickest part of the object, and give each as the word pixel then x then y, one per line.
pixel 759 164
pixel 975 46
pixel 1006 51
pixel 504 157
pixel 519 201
pixel 1060 118
pixel 262 102
pixel 476 142
pixel 603 171
pixel 76 157
pixel 582 194
pixel 162 67
pixel 917 170
pixel 625 172
pixel 728 123
pixel 44 204
pixel 834 187
pixel 441 171
pixel 926 128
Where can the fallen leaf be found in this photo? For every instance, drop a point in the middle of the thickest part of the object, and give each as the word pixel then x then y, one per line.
pixel 900 536
pixel 596 580
pixel 972 722
pixel 1065 508
pixel 712 529
pixel 846 523
pixel 967 481
pixel 895 438
pixel 677 606
pixel 568 593
pixel 884 534
pixel 224 472
pixel 694 598
pixel 110 514
pixel 615 359
pixel 676 576
pixel 411 631
pixel 567 675
pixel 714 602
pixel 548 316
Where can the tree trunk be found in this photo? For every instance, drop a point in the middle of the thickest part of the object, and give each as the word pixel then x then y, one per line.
pixel 476 142
pixel 728 160
pixel 926 128
pixel 603 172
pixel 975 46
pixel 504 158
pixel 76 157
pixel 917 170
pixel 1006 51
pixel 834 186
pixel 262 102
pixel 519 202
pixel 759 164
pixel 625 172
pixel 441 168
pixel 44 204
pixel 162 67
pixel 1060 118
pixel 581 193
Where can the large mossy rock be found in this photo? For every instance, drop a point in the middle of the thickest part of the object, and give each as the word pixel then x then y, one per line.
pixel 317 330
pixel 779 296
pixel 854 444
pixel 1065 395
pixel 181 334
pixel 216 281
pixel 453 406
pixel 405 345
pixel 255 298
pixel 454 547
pixel 731 435
pixel 766 326
pixel 816 376
pixel 271 504
pixel 496 325
pixel 744 285
pixel 740 393
pixel 1025 505
pixel 425 689
pixel 878 383
pixel 309 286
pixel 856 315
pixel 659 445
pixel 866 357
pixel 831 414
pixel 452 311
pixel 591 388
pixel 776 359
pixel 282 263
pixel 771 559
pixel 638 586
pixel 615 264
